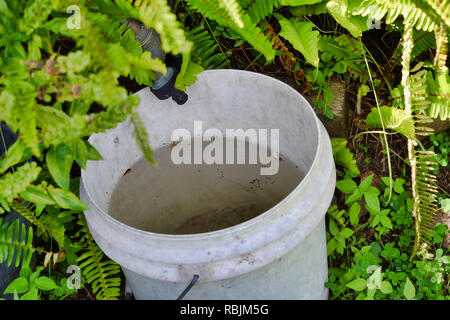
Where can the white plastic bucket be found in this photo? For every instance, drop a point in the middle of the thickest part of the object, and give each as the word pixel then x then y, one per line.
pixel 279 254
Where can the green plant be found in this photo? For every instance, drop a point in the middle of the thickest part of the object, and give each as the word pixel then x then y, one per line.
pixel 30 284
pixel 58 85
pixel 370 259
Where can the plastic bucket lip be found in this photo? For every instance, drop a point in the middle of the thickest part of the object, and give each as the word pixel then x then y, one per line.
pixel 244 225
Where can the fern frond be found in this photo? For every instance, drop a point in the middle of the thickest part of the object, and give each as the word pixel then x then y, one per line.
pixel 314 10
pixel 188 73
pixel 48 224
pixel 142 64
pixel 234 11
pixel 13 248
pixel 442 8
pixel 205 51
pixel 422 180
pixel 249 32
pixel 100 274
pixel 261 9
pixel 416 13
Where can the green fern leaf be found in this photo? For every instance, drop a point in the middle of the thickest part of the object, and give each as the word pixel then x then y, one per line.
pixel 302 37
pixel 261 9
pixel 206 51
pixel 250 32
pixel 48 224
pixel 11 245
pixel 416 13
pixel 393 118
pixel 188 72
pixel 442 8
pixel 100 274
pixel 12 183
pixel 157 14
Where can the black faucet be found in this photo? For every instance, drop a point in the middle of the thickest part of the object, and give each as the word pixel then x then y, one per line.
pixel 164 86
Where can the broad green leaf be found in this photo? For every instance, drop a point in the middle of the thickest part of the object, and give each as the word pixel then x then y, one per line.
pixel 393 118
pixel 303 38
pixel 357 284
pixel 410 290
pixel 36 195
pixel 347 186
pixel 45 283
pixel 18 284
pixel 59 162
pixel 66 199
pixel 354 213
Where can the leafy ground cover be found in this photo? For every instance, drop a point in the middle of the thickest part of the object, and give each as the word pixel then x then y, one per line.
pixel 66 74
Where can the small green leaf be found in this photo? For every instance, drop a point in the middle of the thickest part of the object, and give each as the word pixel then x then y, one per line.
pixel 340 67
pixel 365 184
pixel 45 283
pixel 347 186
pixel 18 284
pixel 354 213
pixel 385 221
pixel 66 199
pixel 331 246
pixel 410 290
pixel 346 233
pixel 398 185
pixel 357 284
pixel 373 203
pixel 355 196
pixel 333 227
